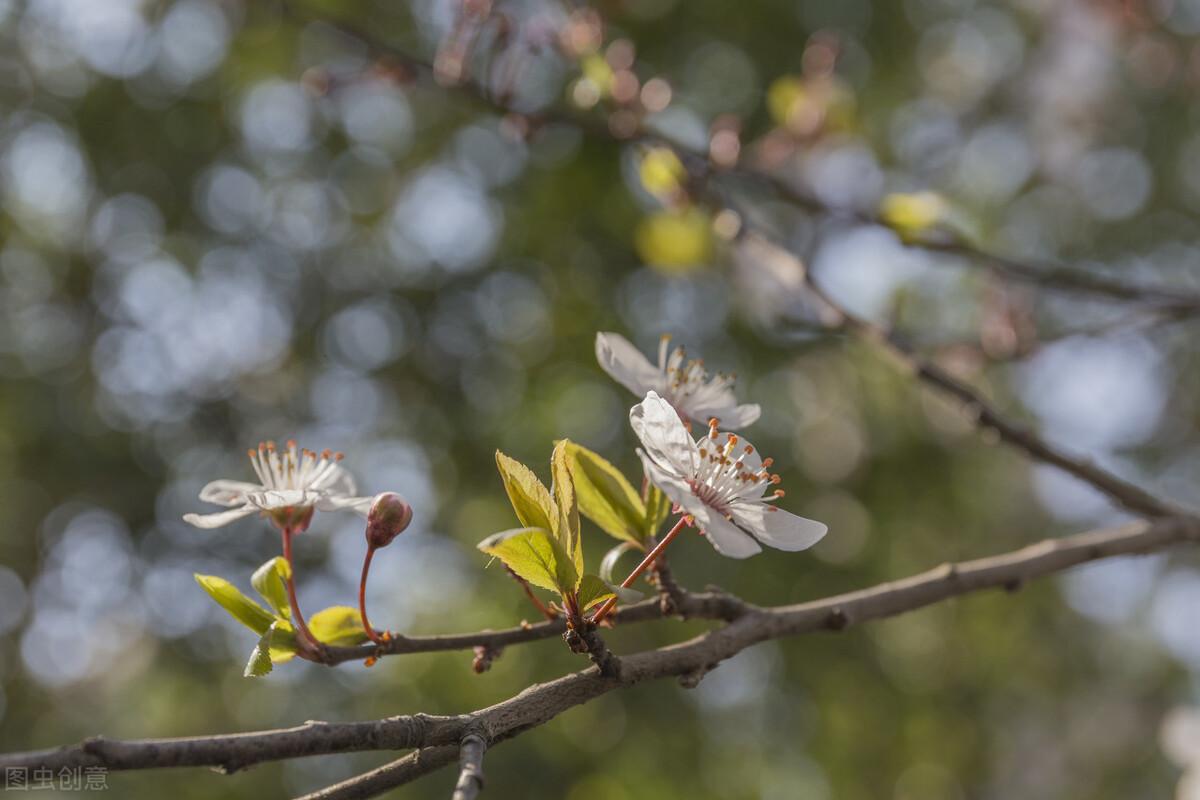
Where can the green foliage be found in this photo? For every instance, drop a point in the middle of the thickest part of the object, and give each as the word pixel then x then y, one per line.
pixel 240 607
pixel 563 487
pixel 528 495
pixel 594 590
pixel 340 626
pixel 607 498
pixel 532 553
pixel 269 580
pixel 609 562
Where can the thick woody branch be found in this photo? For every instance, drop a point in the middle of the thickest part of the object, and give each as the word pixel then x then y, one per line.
pixel 690 660
pixel 439 737
pixel 237 751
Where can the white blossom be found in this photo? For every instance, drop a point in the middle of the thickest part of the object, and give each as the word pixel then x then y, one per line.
pixel 292 483
pixel 719 480
pixel 681 382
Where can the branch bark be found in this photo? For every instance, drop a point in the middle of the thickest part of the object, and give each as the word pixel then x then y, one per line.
pixel 439 737
pixel 1053 276
pixel 695 657
pixel 470 775
pixel 984 415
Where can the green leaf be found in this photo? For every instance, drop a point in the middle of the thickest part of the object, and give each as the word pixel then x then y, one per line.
pixel 338 625
pixel 606 497
pixel 283 644
pixel 658 508
pixel 528 495
pixel 593 590
pixel 568 507
pixel 240 607
pixel 612 557
pixel 532 553
pixel 260 658
pixel 625 595
pixel 268 581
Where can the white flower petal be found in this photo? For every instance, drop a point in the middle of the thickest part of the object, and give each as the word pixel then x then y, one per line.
pixel 219 518
pixel 731 418
pixel 339 502
pixel 662 433
pixel 671 484
pixel 776 527
pixel 283 498
pixel 626 364
pixel 725 537
pixel 228 493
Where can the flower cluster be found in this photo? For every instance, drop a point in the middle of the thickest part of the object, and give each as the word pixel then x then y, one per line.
pixel 718 484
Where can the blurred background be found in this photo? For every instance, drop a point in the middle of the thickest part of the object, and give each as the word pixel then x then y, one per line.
pixel 226 221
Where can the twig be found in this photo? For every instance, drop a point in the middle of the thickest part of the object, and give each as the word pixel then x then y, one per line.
pixel 439 736
pixel 232 752
pixel 690 660
pixel 983 414
pixel 1048 275
pixel 389 776
pixel 470 760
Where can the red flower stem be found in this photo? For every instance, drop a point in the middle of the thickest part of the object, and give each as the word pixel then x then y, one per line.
pixel 362 598
pixel 647 562
pixel 306 635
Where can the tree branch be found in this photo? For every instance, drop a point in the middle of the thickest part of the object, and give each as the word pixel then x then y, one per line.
pixel 439 737
pixel 690 660
pixel 1048 275
pixel 984 415
pixel 470 776
pixel 697 606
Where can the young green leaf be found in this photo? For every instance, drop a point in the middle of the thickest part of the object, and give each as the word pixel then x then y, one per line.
pixel 283 644
pixel 609 563
pixel 606 497
pixel 568 506
pixel 532 553
pixel 240 607
pixel 260 658
pixel 268 581
pixel 593 590
pixel 528 495
pixel 338 625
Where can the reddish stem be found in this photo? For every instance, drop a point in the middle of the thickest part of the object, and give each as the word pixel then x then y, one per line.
pixel 301 626
pixel 647 562
pixel 362 598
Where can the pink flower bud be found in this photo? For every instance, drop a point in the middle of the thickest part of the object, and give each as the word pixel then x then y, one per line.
pixel 388 518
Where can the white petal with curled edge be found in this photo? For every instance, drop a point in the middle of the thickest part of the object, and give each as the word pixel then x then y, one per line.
pixel 220 518
pixel 661 432
pixel 337 502
pixel 672 486
pixel 228 493
pixel 626 364
pixel 778 528
pixel 738 416
pixel 283 498
pixel 726 538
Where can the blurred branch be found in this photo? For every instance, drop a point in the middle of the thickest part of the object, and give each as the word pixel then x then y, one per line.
pixel 1043 274
pixel 439 737
pixel 984 415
